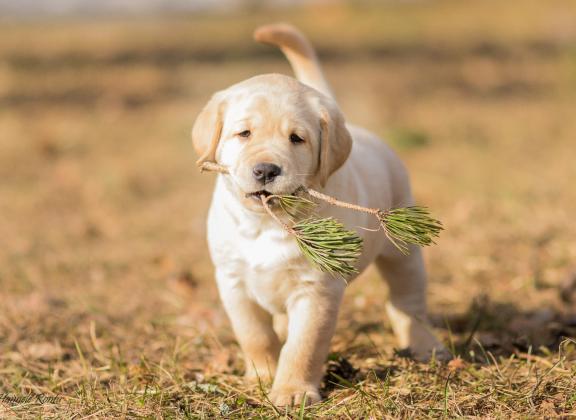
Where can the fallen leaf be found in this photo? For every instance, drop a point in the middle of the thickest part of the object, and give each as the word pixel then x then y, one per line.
pixel 456 364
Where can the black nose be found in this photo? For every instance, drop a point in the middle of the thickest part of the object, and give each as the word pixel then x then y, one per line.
pixel 266 172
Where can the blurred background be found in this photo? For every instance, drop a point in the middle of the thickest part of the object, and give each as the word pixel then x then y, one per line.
pixel 103 259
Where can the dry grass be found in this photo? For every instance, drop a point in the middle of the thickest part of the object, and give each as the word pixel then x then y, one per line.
pixel 106 291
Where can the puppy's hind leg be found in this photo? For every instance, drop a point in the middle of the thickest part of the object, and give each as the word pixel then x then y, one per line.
pixel 406 278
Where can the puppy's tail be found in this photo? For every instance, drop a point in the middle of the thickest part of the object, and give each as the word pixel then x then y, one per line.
pixel 299 52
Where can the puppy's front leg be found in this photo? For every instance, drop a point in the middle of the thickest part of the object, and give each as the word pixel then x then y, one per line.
pixel 312 315
pixel 252 326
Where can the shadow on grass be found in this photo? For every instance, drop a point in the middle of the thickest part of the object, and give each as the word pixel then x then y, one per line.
pixel 485 331
pixel 503 329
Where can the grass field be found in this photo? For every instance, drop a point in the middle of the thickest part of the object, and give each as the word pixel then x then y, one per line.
pixel 107 299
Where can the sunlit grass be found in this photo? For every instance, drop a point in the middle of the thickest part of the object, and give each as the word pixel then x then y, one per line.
pixel 107 298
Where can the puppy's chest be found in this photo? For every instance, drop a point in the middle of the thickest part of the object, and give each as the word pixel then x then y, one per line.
pixel 266 250
pixel 268 263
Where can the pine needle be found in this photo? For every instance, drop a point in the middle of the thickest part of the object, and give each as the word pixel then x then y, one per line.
pixel 409 225
pixel 328 245
pixel 325 242
pixel 296 206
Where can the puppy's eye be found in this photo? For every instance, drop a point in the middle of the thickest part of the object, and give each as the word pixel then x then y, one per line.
pixel 245 133
pixel 295 139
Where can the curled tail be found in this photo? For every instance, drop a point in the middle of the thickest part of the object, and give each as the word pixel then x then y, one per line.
pixel 298 51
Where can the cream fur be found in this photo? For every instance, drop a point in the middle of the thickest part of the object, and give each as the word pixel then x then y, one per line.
pixel 282 310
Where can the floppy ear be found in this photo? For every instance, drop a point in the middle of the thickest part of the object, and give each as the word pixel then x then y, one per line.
pixel 208 128
pixel 335 140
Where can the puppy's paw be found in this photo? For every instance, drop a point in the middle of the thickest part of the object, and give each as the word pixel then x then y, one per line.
pixel 291 395
pixel 255 376
pixel 424 346
pixel 428 348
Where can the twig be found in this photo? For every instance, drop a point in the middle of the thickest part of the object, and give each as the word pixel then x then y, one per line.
pixel 335 202
pixel 403 226
pixel 213 167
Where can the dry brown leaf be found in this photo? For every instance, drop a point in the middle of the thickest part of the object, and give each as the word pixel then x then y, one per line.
pixel 456 364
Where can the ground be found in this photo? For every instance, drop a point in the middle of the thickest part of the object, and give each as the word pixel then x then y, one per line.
pixel 107 296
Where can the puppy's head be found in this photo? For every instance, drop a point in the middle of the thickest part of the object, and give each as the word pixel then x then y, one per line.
pixel 274 134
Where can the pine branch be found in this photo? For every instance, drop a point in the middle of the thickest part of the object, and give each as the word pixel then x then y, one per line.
pixel 328 244
pixel 325 242
pixel 409 225
pixel 402 225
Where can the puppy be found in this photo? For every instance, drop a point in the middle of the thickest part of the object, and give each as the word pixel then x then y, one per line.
pixel 276 133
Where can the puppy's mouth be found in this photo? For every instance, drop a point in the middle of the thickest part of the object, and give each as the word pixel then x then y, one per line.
pixel 257 195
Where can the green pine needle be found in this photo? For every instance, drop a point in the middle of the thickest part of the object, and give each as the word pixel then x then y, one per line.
pixel 328 245
pixel 296 206
pixel 409 225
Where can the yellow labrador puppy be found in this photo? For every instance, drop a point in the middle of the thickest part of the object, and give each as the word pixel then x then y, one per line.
pixel 276 133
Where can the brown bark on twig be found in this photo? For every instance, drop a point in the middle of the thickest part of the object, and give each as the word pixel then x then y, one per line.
pixel 214 167
pixel 336 202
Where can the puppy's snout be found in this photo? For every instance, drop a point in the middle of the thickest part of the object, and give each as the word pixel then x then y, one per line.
pixel 266 172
